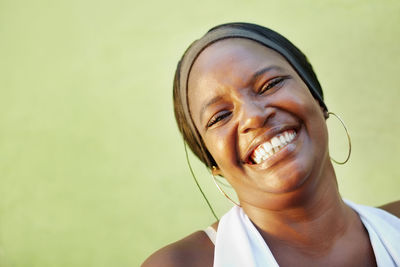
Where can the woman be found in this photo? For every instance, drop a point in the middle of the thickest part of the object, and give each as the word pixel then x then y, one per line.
pixel 251 108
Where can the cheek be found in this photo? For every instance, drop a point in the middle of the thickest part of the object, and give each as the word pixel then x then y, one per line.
pixel 313 118
pixel 222 146
pixel 298 101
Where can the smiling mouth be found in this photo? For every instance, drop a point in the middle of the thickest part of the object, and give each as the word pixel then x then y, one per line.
pixel 269 148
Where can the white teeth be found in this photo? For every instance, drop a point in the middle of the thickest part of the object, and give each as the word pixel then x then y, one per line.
pixel 258 153
pixel 262 153
pixel 287 137
pixel 269 148
pixel 276 143
pixel 283 140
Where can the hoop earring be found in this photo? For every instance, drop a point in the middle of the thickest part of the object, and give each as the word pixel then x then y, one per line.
pixel 220 189
pixel 348 138
pixel 197 183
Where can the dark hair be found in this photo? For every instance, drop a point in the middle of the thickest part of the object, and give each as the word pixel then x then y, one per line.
pixel 250 31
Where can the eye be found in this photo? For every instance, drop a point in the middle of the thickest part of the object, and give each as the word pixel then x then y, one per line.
pixel 218 117
pixel 271 84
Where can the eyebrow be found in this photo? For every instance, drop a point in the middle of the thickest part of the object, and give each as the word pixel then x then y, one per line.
pixel 262 71
pixel 209 103
pixel 254 77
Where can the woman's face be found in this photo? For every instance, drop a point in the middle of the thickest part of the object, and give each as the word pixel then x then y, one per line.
pixel 257 118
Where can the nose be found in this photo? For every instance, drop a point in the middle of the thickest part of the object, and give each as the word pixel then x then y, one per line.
pixel 253 116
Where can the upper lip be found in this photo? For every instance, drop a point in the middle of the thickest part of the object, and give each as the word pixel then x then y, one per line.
pixel 266 136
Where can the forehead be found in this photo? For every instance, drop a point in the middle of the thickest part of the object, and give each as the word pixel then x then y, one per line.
pixel 231 59
pixel 229 63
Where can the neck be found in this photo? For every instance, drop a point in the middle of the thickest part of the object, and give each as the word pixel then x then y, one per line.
pixel 314 226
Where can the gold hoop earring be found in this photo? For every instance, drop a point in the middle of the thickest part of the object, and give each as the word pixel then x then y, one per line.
pixel 220 189
pixel 348 138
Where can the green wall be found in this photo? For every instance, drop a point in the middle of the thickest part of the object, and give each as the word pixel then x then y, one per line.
pixel 92 167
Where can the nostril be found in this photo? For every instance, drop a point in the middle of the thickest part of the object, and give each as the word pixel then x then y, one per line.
pixel 246 130
pixel 256 120
pixel 271 115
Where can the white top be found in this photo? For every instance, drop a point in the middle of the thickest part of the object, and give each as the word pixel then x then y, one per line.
pixel 247 247
pixel 212 234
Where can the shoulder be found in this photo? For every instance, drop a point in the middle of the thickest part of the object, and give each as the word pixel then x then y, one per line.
pixel 193 250
pixel 393 208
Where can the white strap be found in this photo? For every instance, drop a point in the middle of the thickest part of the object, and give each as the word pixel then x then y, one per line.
pixel 384 232
pixel 211 233
pixel 239 243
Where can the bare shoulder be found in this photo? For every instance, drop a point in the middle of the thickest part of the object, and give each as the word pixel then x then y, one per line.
pixel 193 250
pixel 393 208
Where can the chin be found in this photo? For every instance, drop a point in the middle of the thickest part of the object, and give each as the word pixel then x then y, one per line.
pixel 288 178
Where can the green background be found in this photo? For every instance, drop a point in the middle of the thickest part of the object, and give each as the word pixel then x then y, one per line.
pixel 92 167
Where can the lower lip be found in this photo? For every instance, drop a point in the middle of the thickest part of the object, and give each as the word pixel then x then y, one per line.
pixel 280 155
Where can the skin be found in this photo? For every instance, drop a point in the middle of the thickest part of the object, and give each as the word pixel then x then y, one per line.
pixel 241 94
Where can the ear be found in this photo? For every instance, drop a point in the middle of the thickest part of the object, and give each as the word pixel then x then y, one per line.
pixel 216 171
pixel 325 112
pixel 326 115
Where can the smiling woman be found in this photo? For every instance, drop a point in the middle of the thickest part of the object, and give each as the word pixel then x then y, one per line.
pixel 251 108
